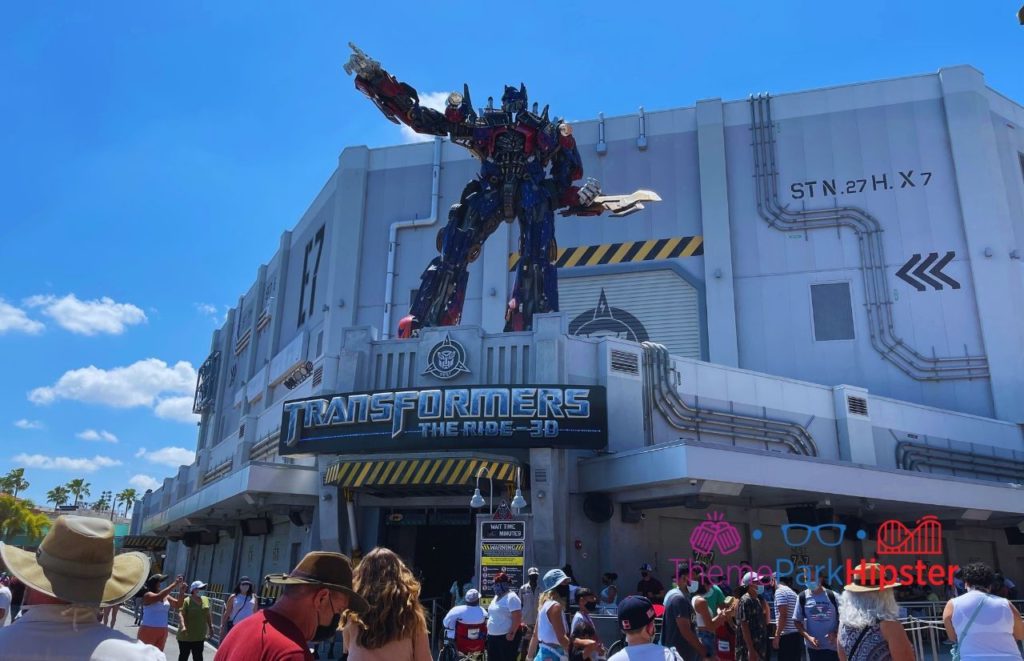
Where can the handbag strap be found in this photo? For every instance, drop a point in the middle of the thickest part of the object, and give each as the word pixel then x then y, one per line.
pixel 853 651
pixel 981 604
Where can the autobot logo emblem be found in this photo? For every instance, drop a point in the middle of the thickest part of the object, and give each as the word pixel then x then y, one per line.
pixel 447 359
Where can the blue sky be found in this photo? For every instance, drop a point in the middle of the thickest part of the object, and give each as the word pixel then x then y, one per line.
pixel 154 153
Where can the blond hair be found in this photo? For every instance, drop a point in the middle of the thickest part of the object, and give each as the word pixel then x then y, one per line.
pixel 395 612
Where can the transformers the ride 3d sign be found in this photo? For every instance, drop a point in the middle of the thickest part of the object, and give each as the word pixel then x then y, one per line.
pixel 475 417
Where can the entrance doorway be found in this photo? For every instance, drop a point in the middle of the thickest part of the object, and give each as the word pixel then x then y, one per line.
pixel 438 544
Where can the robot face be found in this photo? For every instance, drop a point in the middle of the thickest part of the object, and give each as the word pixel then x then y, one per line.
pixel 514 100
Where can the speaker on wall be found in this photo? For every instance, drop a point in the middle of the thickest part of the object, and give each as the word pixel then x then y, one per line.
pixel 598 507
pixel 301 517
pixel 254 527
pixel 809 515
pixel 1014 536
pixel 208 537
pixel 190 539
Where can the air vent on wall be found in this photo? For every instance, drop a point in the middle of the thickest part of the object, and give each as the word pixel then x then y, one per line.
pixel 540 475
pixel 241 431
pixel 625 362
pixel 857 405
pixel 318 376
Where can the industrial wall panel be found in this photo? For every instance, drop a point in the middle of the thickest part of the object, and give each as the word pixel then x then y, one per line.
pixel 894 162
pixel 658 306
pixel 308 265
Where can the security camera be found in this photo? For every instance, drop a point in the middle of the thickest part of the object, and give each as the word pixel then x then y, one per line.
pixel 643 516
pixel 693 483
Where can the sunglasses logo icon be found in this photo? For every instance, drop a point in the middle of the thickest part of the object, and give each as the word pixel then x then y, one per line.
pixel 829 534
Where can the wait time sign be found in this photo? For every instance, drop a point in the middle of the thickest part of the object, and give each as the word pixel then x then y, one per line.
pixel 502 548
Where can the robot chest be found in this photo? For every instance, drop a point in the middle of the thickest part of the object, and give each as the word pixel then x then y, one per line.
pixel 513 140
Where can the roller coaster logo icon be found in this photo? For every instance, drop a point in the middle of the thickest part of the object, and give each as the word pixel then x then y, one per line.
pixel 716 531
pixel 924 539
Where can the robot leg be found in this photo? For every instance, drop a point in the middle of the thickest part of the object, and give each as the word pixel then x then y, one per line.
pixel 536 286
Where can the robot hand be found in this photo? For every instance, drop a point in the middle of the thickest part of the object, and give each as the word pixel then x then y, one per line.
pixel 361 64
pixel 588 191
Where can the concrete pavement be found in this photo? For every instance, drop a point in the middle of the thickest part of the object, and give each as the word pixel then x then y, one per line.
pixel 125 624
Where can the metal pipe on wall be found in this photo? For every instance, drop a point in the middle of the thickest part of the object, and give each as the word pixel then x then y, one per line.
pixel 389 283
pixel 350 509
pixel 868 230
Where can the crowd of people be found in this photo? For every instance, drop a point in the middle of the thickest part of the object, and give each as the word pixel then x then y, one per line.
pixel 75 577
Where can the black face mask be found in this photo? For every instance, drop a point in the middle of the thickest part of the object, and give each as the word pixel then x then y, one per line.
pixel 562 591
pixel 533 581
pixel 327 632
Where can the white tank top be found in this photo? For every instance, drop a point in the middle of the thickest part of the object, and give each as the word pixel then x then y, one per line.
pixel 696 614
pixel 241 609
pixel 155 615
pixel 545 632
pixel 991 633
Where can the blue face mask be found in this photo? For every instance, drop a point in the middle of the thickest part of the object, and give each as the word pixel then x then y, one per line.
pixel 760 589
pixel 813 585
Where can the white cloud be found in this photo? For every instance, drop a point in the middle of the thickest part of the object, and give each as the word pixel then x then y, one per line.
pixel 144 482
pixel 209 310
pixel 103 315
pixel 138 384
pixel 93 435
pixel 169 456
pixel 15 319
pixel 28 424
pixel 436 100
pixel 83 464
pixel 178 409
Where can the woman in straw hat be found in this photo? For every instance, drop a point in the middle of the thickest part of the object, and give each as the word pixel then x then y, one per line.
pixel 869 626
pixel 394 626
pixel 68 580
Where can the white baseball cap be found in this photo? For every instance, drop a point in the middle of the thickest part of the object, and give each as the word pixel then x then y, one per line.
pixel 197 585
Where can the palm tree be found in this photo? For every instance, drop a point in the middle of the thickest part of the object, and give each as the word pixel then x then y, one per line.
pixel 15 481
pixel 79 488
pixel 17 518
pixel 58 496
pixel 127 498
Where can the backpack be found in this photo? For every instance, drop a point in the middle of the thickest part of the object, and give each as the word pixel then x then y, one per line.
pixel 831 597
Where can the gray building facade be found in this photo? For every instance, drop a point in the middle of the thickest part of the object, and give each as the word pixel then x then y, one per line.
pixel 823 310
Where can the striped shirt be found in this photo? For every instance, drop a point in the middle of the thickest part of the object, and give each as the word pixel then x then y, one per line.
pixel 784 596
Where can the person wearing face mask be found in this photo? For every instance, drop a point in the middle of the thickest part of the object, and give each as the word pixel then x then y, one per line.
pixel 504 616
pixel 608 601
pixel 752 637
pixel 157 604
pixel 636 618
pixel 241 604
pixel 584 642
pixel 550 641
pixel 677 630
pixel 817 620
pixel 195 623
pixel 648 586
pixel 315 595
pixel 706 619
pixel 528 594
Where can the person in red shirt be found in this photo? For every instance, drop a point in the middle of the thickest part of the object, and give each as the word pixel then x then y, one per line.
pixel 315 594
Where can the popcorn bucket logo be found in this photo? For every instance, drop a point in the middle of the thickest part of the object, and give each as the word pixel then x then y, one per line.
pixel 716 531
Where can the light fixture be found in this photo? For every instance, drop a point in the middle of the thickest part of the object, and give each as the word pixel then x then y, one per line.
pixel 477 501
pixel 518 502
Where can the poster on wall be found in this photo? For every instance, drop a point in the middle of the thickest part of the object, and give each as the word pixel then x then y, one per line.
pixel 470 418
pixel 502 548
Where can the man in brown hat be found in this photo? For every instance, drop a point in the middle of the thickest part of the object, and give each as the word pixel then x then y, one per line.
pixel 316 593
pixel 68 580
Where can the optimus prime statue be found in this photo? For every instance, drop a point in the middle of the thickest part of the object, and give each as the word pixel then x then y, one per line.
pixel 515 147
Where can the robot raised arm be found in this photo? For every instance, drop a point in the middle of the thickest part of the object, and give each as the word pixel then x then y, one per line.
pixel 400 102
pixel 567 168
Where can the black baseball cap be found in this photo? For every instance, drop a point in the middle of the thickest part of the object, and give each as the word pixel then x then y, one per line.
pixel 635 613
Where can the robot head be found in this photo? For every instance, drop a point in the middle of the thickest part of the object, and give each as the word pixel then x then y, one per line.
pixel 514 100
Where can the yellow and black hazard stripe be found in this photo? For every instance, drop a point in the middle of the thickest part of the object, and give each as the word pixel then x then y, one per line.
pixel 271 591
pixel 621 253
pixel 416 472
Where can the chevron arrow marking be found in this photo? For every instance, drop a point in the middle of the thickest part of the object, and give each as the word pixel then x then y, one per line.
pixel 923 266
pixel 937 270
pixel 927 271
pixel 902 273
